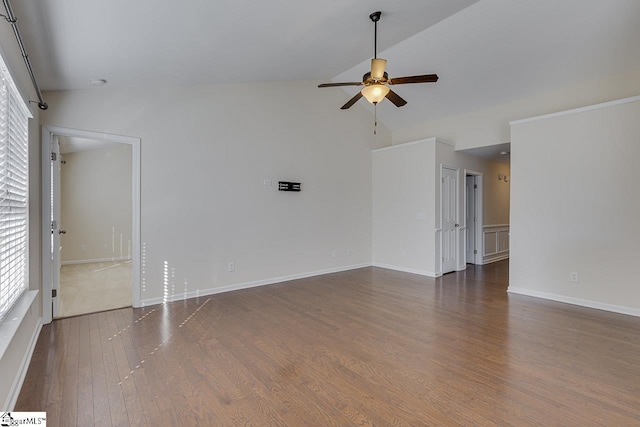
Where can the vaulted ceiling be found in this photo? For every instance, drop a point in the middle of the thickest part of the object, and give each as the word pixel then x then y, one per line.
pixel 485 52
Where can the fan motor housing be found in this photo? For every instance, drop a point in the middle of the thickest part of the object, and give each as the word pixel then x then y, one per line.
pixel 367 79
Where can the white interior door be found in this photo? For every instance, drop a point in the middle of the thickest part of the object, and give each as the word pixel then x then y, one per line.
pixel 55 225
pixel 449 218
pixel 471 220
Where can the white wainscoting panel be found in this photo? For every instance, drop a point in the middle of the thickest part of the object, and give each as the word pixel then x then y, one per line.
pixel 495 243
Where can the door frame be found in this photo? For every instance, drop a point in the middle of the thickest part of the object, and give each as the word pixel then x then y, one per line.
pixel 478 213
pixel 48 133
pixel 57 208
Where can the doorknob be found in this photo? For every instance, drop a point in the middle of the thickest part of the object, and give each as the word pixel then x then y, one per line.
pixel 457 225
pixel 65 231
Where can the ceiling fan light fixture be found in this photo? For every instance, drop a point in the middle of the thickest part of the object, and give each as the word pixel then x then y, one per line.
pixel 377 68
pixel 376 82
pixel 375 92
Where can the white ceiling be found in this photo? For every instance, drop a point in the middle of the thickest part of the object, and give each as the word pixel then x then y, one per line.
pixel 159 42
pixel 486 52
pixel 496 51
pixel 500 153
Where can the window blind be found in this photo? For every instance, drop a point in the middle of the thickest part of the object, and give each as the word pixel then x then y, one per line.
pixel 14 195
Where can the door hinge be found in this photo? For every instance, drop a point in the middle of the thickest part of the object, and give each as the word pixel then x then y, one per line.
pixel 54 293
pixel 475 185
pixel 53 157
pixel 475 251
pixel 54 225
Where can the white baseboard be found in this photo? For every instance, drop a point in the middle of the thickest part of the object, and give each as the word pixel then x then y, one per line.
pixel 495 258
pixel 407 270
pixel 89 261
pixel 247 285
pixel 14 391
pixel 576 301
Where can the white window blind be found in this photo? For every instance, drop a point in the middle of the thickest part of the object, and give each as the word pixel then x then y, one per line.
pixel 14 196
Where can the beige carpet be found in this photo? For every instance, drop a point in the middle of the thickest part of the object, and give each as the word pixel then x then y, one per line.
pixel 92 287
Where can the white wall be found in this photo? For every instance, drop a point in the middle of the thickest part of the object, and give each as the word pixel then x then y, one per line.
pixel 491 126
pixel 206 151
pixel 406 202
pixel 497 193
pixel 95 204
pixel 403 213
pixel 575 207
pixel 14 362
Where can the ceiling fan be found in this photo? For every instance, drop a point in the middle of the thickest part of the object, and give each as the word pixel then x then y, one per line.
pixel 376 82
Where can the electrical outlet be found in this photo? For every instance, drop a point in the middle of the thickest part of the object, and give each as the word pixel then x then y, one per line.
pixel 334 253
pixel 83 248
pixel 573 276
pixel 231 267
pixel 348 253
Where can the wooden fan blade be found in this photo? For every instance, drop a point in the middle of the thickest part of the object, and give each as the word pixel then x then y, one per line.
pixel 352 101
pixel 395 98
pixel 427 78
pixel 340 84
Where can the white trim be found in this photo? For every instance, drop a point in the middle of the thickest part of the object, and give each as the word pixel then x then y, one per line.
pixel 438 263
pixel 247 285
pixel 87 134
pixel 576 301
pixel 496 226
pixel 478 258
pixel 499 256
pixel 47 133
pixel 14 319
pixel 489 255
pixel 497 251
pixel 14 391
pixel 406 144
pixel 45 169
pixel 8 329
pixel 89 261
pixel 576 110
pixel 406 270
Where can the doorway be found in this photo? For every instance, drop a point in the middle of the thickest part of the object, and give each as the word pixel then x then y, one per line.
pixel 91 222
pixel 94 223
pixel 473 217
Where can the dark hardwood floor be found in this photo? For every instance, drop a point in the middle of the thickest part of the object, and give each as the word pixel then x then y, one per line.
pixel 364 347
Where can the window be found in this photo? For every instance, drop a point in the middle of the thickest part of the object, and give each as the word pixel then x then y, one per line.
pixel 14 196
